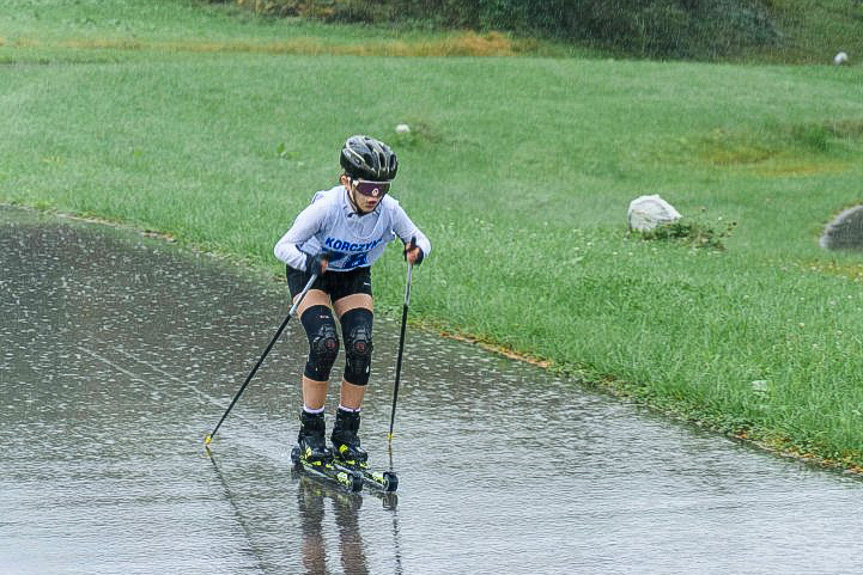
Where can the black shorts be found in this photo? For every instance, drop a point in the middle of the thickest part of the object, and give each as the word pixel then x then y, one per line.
pixel 335 284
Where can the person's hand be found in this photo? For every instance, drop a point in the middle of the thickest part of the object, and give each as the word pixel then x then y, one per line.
pixel 317 264
pixel 413 253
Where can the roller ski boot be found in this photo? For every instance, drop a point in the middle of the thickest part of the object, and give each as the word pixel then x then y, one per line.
pixel 311 455
pixel 346 443
pixel 311 441
pixel 349 455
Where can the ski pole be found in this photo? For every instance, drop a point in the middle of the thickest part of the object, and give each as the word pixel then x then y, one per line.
pixel 407 303
pixel 279 331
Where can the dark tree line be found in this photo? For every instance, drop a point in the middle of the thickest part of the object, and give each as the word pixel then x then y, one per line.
pixel 652 28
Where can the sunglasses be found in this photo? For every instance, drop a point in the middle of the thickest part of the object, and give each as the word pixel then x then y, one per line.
pixel 372 189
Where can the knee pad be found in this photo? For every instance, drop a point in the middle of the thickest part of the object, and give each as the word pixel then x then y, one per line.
pixel 323 342
pixel 357 330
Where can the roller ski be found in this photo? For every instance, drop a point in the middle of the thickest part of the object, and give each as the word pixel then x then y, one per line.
pixel 311 455
pixel 349 456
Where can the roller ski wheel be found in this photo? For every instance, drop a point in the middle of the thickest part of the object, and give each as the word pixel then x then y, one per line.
pixel 356 483
pixel 391 481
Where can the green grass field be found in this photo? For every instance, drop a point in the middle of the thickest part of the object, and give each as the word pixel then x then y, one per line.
pixel 216 128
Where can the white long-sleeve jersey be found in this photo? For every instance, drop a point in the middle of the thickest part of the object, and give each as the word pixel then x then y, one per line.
pixel 330 223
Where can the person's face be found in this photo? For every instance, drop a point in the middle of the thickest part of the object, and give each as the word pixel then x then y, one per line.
pixel 367 194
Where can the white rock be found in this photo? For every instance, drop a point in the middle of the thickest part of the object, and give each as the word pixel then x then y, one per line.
pixel 403 129
pixel 840 58
pixel 647 212
pixel 760 385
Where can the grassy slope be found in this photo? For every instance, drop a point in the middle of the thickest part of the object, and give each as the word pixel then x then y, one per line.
pixel 519 169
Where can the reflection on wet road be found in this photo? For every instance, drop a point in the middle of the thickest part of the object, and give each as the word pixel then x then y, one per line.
pixel 118 354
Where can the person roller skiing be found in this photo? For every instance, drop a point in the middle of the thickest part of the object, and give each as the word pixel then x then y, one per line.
pixel 339 236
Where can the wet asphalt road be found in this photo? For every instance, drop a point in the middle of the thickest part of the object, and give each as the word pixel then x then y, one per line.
pixel 119 353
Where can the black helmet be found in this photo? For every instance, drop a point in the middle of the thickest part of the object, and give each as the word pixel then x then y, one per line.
pixel 369 159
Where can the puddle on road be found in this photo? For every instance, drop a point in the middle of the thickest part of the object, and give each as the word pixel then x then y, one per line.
pixel 120 353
